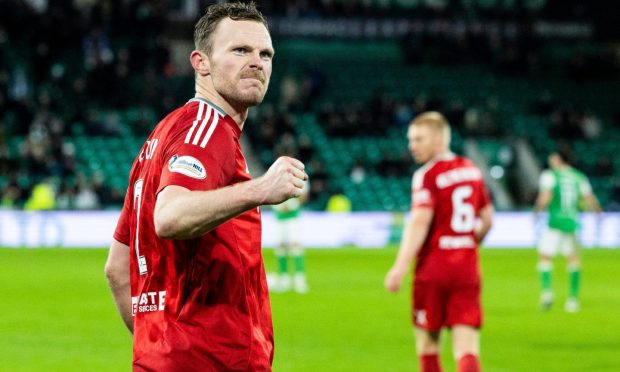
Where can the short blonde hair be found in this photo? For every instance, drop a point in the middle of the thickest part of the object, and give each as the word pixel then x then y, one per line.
pixel 436 121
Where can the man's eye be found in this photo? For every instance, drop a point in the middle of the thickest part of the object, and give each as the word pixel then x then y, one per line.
pixel 240 50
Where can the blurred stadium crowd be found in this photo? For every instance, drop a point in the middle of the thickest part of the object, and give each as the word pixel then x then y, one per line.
pixel 82 82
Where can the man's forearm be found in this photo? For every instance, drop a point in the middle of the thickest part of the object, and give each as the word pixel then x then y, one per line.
pixel 117 272
pixel 184 214
pixel 542 201
pixel 593 204
pixel 486 220
pixel 192 214
pixel 121 293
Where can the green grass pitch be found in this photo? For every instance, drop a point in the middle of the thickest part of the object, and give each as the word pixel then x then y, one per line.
pixel 57 315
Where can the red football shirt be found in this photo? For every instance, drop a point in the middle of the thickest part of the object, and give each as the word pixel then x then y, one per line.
pixel 453 187
pixel 198 304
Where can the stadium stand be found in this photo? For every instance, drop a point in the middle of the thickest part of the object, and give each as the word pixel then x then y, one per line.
pixel 77 98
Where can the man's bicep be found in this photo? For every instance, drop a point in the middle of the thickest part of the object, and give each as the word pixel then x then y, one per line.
pixel 422 217
pixel 544 197
pixel 167 194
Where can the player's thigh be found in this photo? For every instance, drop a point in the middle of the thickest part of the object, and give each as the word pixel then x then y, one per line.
pixel 429 306
pixel 568 245
pixel 549 243
pixel 464 306
pixel 465 340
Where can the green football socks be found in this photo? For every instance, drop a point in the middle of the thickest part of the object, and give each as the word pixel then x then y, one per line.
pixel 283 264
pixel 299 263
pixel 544 270
pixel 574 279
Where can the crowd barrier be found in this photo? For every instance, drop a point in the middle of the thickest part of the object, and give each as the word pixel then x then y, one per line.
pixel 317 229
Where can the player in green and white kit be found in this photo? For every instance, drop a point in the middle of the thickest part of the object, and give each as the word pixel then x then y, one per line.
pixel 287 215
pixel 563 189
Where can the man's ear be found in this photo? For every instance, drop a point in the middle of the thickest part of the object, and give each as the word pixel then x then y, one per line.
pixel 200 62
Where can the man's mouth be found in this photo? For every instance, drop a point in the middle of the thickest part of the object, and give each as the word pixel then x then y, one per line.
pixel 254 76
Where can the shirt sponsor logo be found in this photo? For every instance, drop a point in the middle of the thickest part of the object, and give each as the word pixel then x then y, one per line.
pixel 456 242
pixel 148 302
pixel 187 165
pixel 458 175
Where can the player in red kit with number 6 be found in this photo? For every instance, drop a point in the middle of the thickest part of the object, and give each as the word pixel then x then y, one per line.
pixel 451 214
pixel 185 267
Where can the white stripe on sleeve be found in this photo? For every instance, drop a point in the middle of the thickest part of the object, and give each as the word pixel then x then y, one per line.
pixel 198 117
pixel 203 125
pixel 216 119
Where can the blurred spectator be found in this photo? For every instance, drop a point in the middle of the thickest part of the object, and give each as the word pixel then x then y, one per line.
pixel 86 198
pixel 566 124
pixel 590 126
pixel 305 149
pixel 544 104
pixel 11 194
pixel 403 114
pixel 338 203
pixel 604 167
pixel 311 86
pixel 289 93
pixel 381 112
pixel 318 180
pixel 65 200
pixel 614 204
pixel 456 115
pixel 43 197
pixel 358 172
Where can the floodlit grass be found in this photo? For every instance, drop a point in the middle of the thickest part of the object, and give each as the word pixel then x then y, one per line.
pixel 58 315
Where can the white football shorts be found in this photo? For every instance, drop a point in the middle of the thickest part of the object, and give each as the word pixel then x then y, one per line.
pixel 289 231
pixel 554 242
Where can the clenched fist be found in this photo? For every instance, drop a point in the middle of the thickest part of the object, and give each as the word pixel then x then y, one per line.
pixel 283 180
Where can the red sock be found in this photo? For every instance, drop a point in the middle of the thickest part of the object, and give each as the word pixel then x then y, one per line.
pixel 429 363
pixel 469 363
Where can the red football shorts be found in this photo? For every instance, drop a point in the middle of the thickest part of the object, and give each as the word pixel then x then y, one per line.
pixel 436 306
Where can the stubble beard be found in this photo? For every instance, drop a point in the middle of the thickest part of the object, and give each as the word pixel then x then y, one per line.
pixel 230 91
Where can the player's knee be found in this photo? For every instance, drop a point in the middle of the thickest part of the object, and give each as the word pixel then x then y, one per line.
pixel 574 263
pixel 545 264
pixel 297 250
pixel 427 342
pixel 427 348
pixel 463 350
pixel 468 345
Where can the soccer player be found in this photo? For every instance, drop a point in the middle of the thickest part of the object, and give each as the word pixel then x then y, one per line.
pixel 185 267
pixel 287 216
pixel 561 190
pixel 451 214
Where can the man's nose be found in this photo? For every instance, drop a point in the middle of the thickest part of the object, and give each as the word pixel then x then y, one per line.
pixel 256 61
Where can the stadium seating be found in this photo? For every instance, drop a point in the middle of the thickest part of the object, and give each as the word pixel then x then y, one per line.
pixel 352 73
